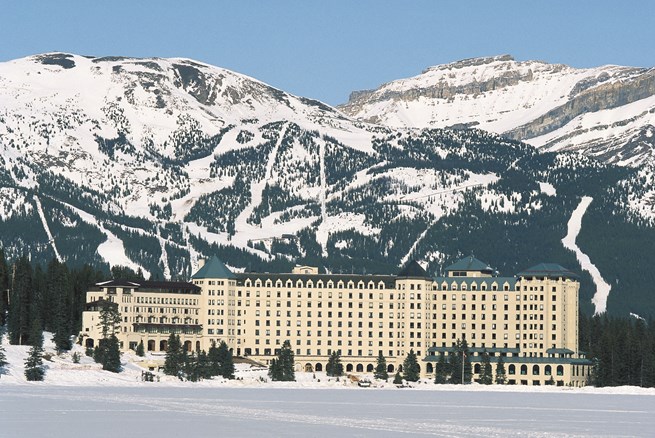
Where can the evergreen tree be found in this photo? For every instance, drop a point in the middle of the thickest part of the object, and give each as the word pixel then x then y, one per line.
pixel 203 365
pixel 4 287
pixel 140 350
pixel 20 317
pixel 282 368
pixel 411 370
pixel 397 379
pixel 110 319
pixel 486 377
pixel 3 356
pixel 34 369
pixel 124 273
pixel 441 370
pixel 110 354
pixel 455 367
pixel 468 369
pixel 274 371
pixel 500 371
pixel 226 368
pixel 214 361
pixel 173 362
pixel 191 368
pixel 56 310
pixel 334 367
pixel 381 368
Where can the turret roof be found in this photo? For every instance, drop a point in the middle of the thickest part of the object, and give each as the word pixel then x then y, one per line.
pixel 214 268
pixel 469 263
pixel 413 269
pixel 547 270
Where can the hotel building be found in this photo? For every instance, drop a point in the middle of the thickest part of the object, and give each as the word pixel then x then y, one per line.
pixel 530 319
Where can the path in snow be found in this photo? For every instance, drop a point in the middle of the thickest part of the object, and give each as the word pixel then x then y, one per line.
pixel 323 192
pixel 111 250
pixel 574 226
pixel 46 228
pixel 244 230
pixel 405 259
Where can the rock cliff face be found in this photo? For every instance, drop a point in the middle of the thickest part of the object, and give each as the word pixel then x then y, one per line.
pixel 598 111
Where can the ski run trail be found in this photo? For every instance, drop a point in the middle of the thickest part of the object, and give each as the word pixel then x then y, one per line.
pixel 574 226
pixel 51 239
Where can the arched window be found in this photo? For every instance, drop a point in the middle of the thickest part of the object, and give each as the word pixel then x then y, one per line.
pixel 560 370
pixel 360 368
pixel 476 368
pixel 548 370
pixel 369 368
pixel 524 370
pixel 535 370
pixel 512 369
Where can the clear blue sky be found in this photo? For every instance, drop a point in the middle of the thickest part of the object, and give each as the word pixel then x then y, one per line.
pixel 326 49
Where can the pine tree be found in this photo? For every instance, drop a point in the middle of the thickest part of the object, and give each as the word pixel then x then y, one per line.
pixel 110 319
pixel 214 361
pixel 411 368
pixel 56 308
pixel 282 368
pixel 397 379
pixel 19 320
pixel 500 371
pixel 203 365
pixel 4 287
pixel 381 368
pixel 455 367
pixel 226 368
pixel 486 377
pixel 34 369
pixel 173 362
pixel 111 354
pixel 3 355
pixel 441 370
pixel 274 371
pixel 140 350
pixel 334 368
pixel 191 368
pixel 468 368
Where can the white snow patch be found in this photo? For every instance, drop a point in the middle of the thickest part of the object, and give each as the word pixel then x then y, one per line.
pixel 574 227
pixel 547 188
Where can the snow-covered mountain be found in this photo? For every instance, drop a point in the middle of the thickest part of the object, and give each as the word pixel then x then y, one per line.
pixel 154 163
pixel 606 112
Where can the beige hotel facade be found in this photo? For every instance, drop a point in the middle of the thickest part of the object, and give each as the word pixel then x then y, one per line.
pixel 530 319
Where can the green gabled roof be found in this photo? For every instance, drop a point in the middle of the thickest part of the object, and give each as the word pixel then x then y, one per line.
pixel 549 270
pixel 413 269
pixel 469 263
pixel 214 268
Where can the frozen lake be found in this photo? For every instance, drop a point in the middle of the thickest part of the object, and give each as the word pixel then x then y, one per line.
pixel 72 412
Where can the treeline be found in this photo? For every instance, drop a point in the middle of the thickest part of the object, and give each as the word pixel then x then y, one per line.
pixel 34 298
pixel 622 349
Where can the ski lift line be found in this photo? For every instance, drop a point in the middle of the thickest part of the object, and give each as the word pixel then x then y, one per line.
pixel 440 192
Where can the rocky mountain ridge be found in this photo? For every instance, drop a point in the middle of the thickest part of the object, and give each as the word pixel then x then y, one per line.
pixel 602 112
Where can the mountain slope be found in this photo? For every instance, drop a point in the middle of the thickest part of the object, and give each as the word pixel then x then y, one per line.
pixel 153 163
pixel 606 112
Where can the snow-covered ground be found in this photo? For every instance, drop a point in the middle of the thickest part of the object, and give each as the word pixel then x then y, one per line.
pixel 81 400
pixel 574 227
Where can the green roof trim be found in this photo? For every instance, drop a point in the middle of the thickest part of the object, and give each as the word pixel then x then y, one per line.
pixel 549 270
pixel 559 351
pixel 213 268
pixel 478 282
pixel 469 263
